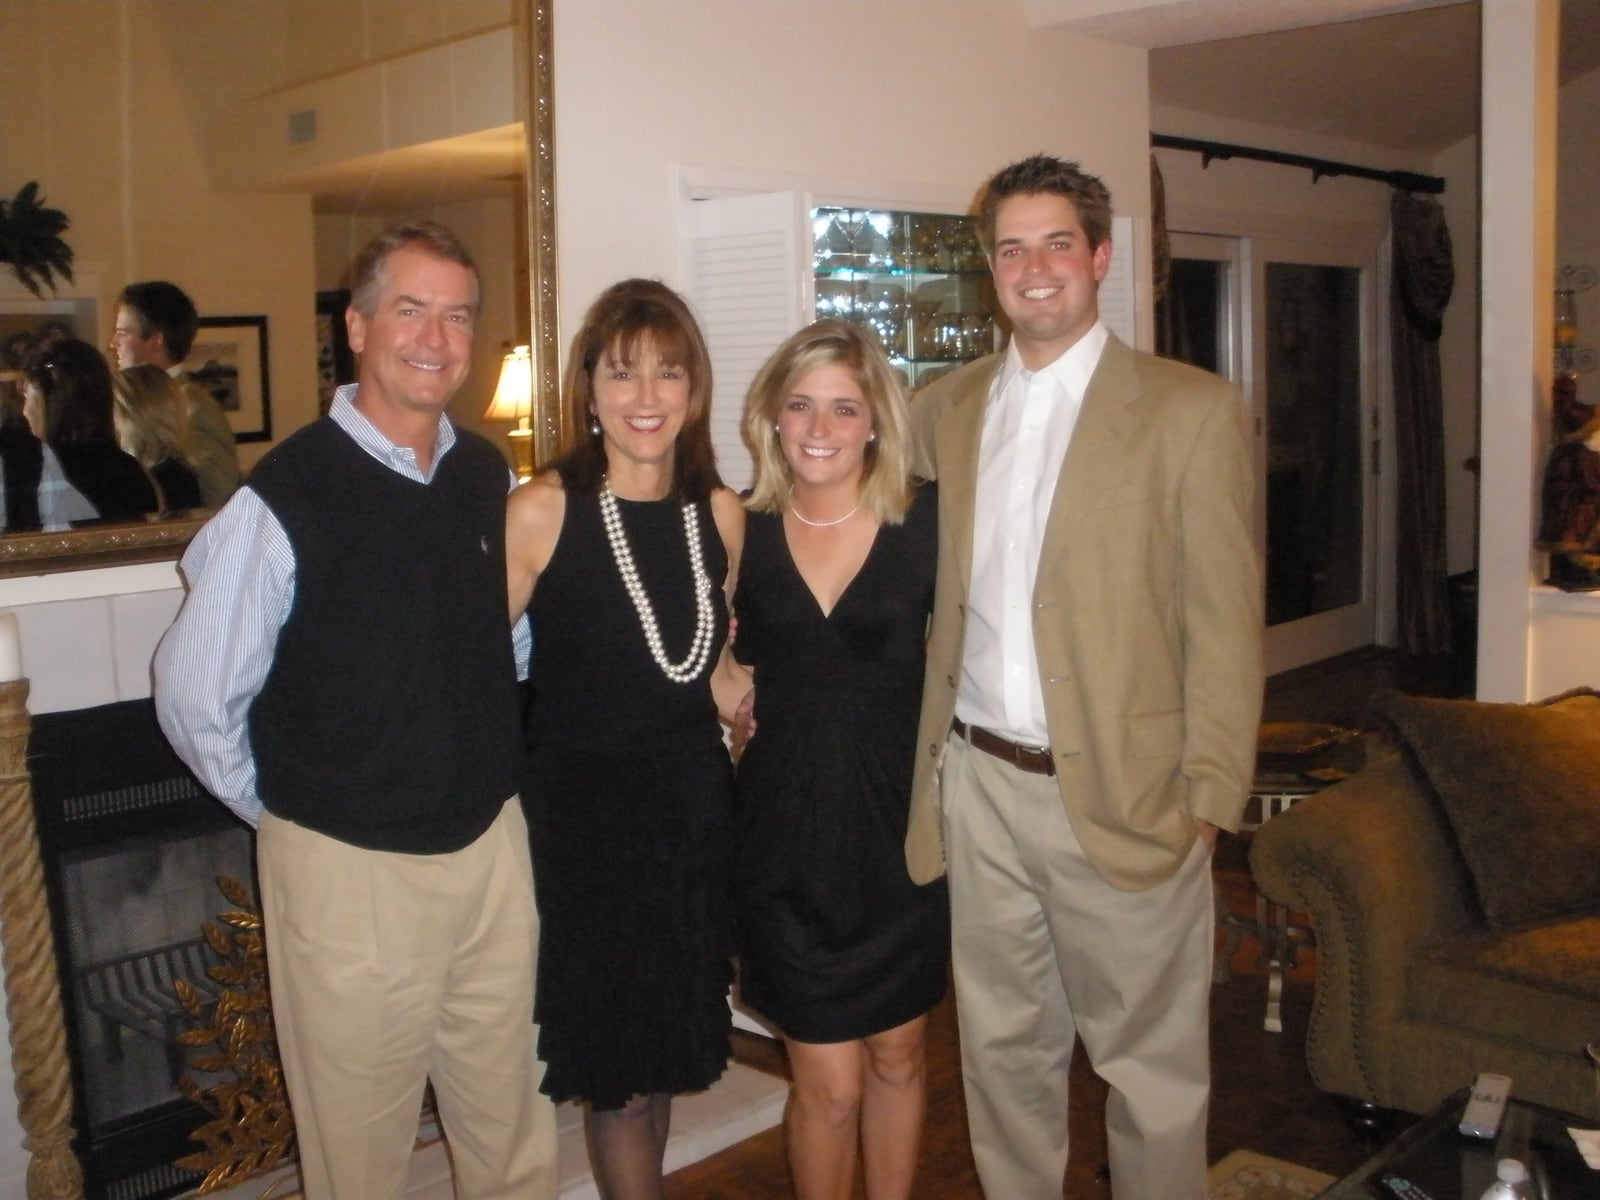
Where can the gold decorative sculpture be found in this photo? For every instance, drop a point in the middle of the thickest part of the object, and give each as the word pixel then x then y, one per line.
pixel 251 1131
pixel 33 989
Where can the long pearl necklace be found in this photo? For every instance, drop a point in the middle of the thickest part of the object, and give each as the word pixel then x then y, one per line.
pixel 705 616
pixel 805 520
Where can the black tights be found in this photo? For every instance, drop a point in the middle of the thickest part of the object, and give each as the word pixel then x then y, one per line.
pixel 627 1146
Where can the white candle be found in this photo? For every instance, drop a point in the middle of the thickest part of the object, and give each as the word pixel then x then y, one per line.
pixel 10 647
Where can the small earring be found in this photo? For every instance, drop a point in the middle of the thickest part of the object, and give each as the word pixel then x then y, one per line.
pixel 873 436
pixel 775 427
pixel 594 425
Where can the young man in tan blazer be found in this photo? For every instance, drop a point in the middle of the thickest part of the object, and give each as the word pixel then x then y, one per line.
pixel 1090 710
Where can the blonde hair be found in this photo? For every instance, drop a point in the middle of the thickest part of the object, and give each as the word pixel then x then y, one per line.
pixel 151 416
pixel 886 462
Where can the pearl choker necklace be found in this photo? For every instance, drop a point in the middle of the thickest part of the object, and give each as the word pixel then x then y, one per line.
pixel 805 520
pixel 705 616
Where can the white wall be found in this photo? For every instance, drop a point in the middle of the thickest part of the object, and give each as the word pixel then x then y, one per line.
pixel 1519 117
pixel 934 94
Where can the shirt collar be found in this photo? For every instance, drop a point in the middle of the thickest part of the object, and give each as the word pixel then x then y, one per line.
pixel 1071 370
pixel 364 433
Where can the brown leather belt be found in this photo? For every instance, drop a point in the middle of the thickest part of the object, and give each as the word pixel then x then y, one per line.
pixel 1023 758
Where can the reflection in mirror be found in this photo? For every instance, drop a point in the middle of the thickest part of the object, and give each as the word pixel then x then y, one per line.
pixel 253 149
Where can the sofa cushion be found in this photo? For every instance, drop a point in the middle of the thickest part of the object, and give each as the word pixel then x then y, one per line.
pixel 1520 787
pixel 1539 985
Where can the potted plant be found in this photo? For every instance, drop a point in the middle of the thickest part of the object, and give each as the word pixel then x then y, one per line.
pixel 30 240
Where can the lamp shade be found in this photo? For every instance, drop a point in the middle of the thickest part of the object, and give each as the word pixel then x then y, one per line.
pixel 513 395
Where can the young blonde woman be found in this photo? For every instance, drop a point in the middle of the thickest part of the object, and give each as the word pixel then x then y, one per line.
pixel 838 948
pixel 152 422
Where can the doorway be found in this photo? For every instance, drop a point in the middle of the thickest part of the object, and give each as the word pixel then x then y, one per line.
pixel 1291 323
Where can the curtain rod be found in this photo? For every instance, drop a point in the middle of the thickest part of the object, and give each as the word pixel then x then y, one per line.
pixel 1406 181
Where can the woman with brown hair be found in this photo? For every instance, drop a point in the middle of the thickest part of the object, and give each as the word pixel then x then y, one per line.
pixel 68 401
pixel 622 554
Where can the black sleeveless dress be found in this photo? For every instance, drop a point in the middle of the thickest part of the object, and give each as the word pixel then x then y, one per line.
pixel 630 806
pixel 835 941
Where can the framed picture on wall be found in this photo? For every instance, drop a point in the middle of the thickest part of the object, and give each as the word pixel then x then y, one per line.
pixel 335 363
pixel 229 359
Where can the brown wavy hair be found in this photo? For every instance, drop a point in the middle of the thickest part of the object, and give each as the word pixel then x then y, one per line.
pixel 627 317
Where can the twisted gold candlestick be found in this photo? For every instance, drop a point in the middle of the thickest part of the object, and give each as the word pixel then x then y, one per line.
pixel 33 990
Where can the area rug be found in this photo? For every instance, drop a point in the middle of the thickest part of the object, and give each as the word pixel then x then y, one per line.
pixel 1246 1175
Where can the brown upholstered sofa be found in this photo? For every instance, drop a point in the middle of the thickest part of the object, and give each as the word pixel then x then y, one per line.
pixel 1454 887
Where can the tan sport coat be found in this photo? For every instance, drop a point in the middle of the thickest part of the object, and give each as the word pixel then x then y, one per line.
pixel 1147 610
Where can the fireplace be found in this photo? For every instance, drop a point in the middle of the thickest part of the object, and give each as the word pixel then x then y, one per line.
pixel 132 847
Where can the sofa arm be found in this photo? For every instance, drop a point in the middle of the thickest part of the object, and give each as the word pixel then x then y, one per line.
pixel 1370 860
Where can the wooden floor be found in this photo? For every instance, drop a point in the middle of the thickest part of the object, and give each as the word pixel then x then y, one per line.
pixel 1262 1095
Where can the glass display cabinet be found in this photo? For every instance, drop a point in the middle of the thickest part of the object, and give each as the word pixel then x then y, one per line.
pixel 918 280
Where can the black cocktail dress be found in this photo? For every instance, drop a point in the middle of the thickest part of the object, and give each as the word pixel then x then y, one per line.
pixel 630 804
pixel 835 941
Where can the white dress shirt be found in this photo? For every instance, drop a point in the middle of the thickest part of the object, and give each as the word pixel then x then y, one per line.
pixel 1027 426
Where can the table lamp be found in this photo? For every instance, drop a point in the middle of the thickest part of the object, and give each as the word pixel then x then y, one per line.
pixel 513 401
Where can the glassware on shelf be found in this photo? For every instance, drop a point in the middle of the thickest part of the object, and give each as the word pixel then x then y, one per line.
pixel 884 305
pixel 850 223
pixel 836 298
pixel 949 337
pixel 923 240
pixel 977 331
pixel 875 243
pixel 915 279
pixel 831 244
pixel 925 324
pixel 966 253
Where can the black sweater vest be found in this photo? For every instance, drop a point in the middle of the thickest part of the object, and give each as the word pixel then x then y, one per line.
pixel 389 718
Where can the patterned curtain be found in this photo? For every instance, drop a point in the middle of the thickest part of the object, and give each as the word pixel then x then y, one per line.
pixel 1424 274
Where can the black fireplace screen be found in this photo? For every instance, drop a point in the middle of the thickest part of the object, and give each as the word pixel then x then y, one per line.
pixel 132 847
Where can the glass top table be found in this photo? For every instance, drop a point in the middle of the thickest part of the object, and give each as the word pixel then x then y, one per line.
pixel 1433 1156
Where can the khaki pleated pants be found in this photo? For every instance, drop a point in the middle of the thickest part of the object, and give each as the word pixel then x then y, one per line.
pixel 1044 952
pixel 388 970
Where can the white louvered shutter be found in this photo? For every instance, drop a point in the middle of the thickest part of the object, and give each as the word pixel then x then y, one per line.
pixel 750 286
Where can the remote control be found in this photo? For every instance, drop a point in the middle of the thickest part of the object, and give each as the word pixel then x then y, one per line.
pixel 1403 1189
pixel 1486 1106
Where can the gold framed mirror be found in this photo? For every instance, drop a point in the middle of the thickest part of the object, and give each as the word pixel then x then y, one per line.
pixel 25 554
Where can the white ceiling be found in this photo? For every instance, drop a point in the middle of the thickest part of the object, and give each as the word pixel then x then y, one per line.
pixel 1399 75
pixel 473 166
pixel 1156 23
